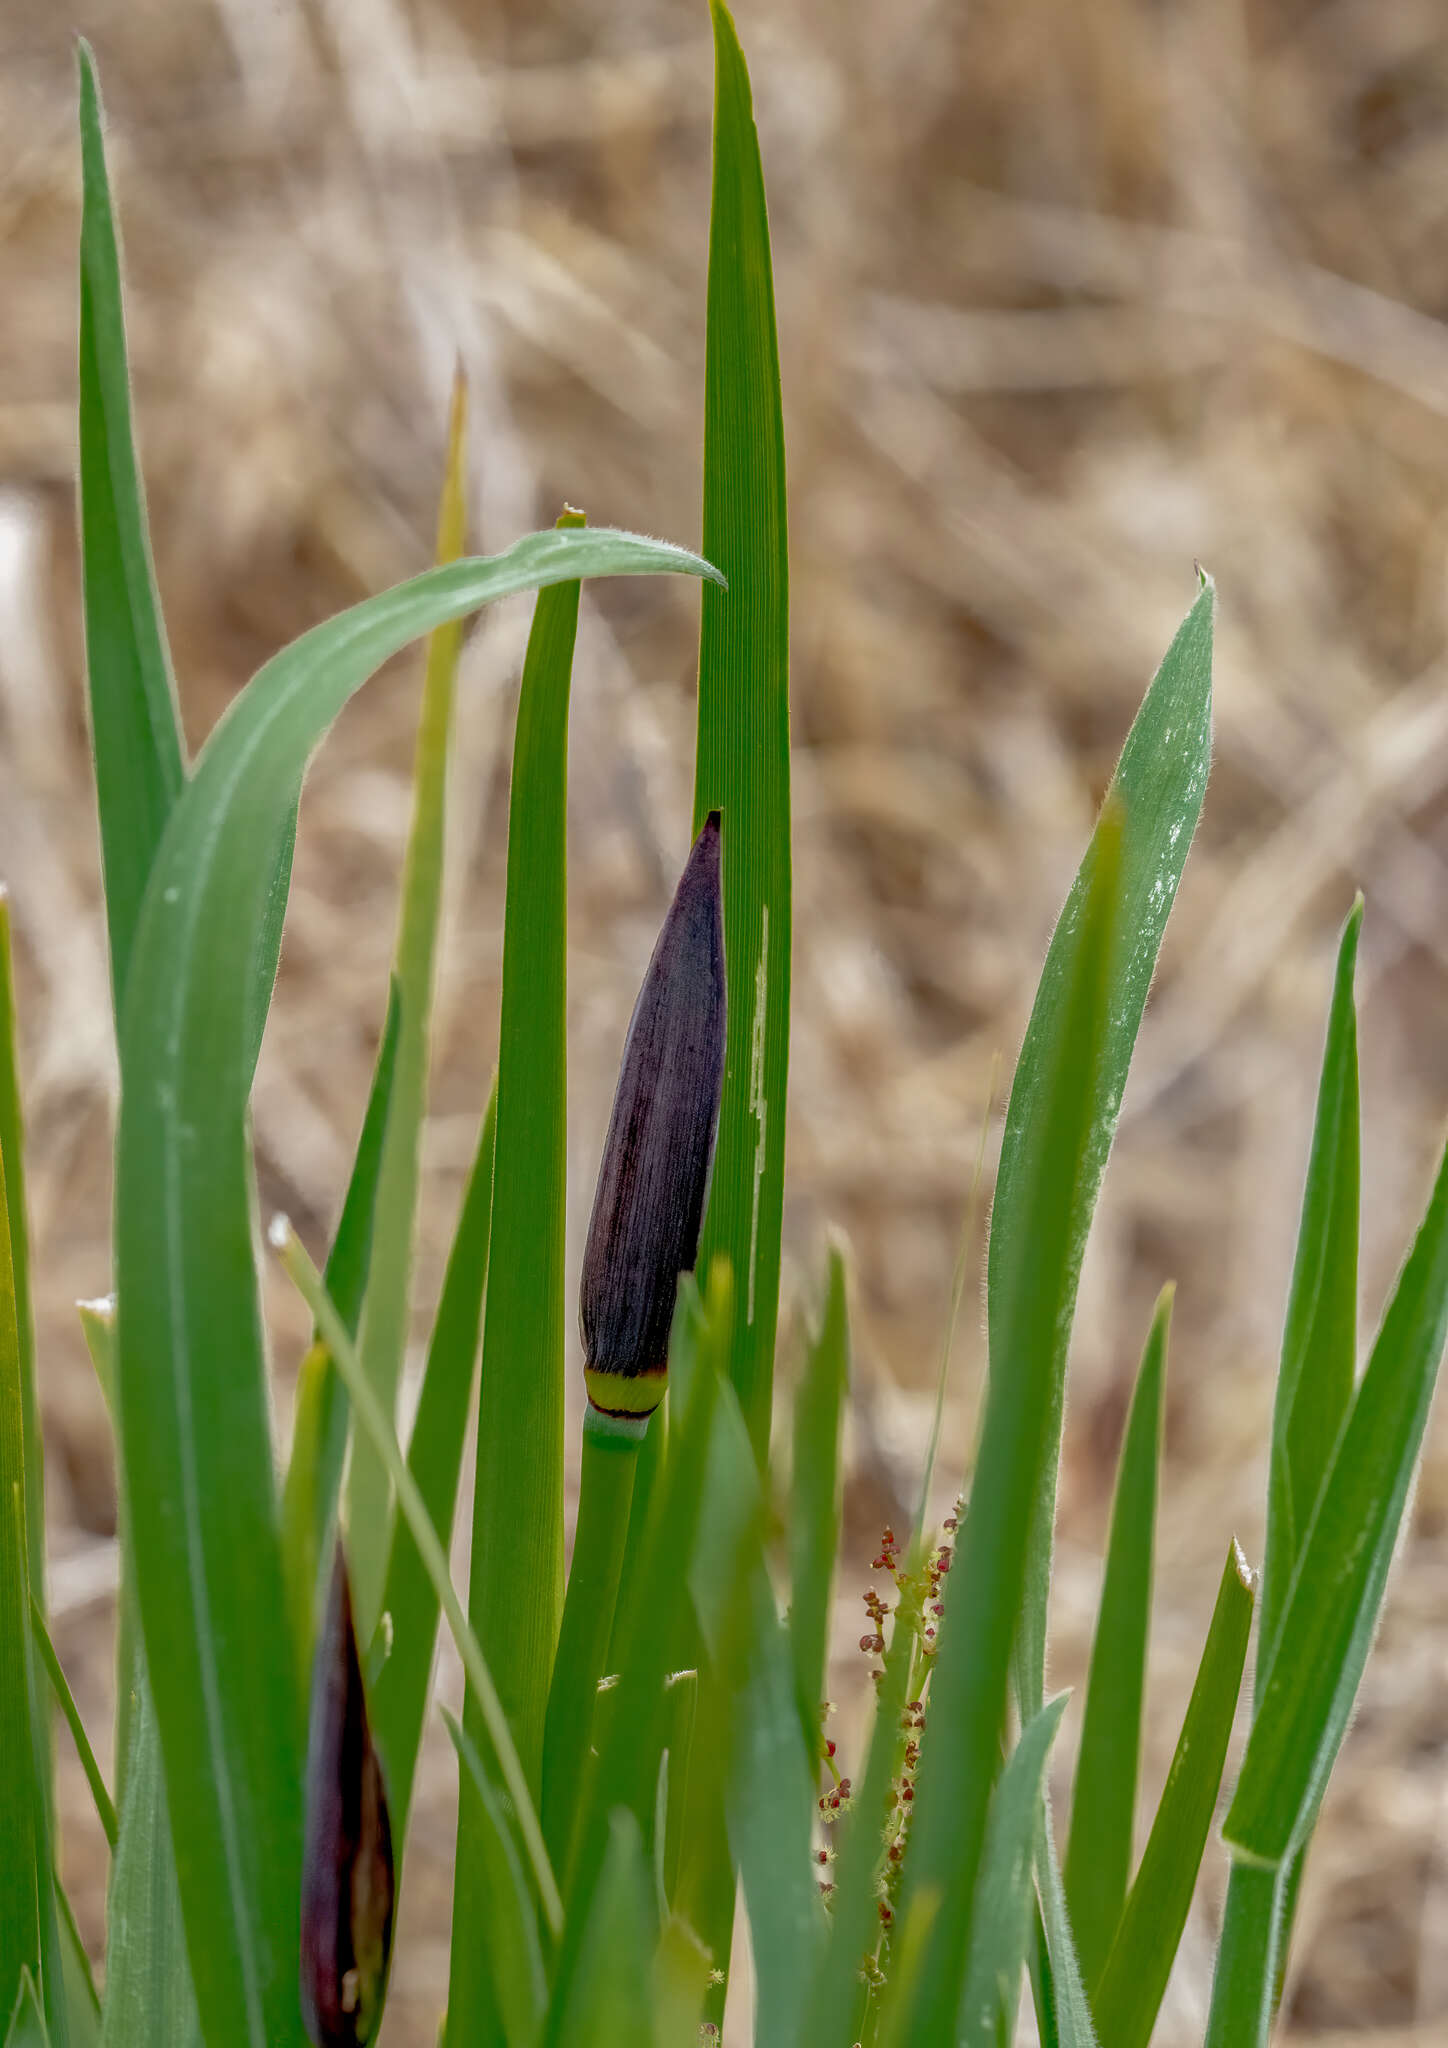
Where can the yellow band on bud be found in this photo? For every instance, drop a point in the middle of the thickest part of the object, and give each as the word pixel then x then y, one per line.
pixel 631 1394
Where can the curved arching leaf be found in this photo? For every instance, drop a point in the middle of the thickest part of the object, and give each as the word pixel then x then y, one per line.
pixel 190 1361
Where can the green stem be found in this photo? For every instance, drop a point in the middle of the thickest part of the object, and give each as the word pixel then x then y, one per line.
pixel 1246 1974
pixel 605 1495
pixel 1287 1896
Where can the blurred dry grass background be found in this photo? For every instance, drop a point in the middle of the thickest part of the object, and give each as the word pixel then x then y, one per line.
pixel 1068 297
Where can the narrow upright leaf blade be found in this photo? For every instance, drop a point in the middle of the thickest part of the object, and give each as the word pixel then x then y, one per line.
pixel 742 763
pixel 1314 1389
pixel 1130 1992
pixel 771 1773
pixel 1332 1610
pixel 1103 1808
pixel 1319 1341
pixel 12 1164
pixel 319 1432
pixel 147 1972
pixel 149 1997
pixel 384 1334
pixel 516 1572
pixel 25 1852
pixel 515 1953
pixel 1159 784
pixel 609 2003
pixel 814 1511
pixel 82 2003
pixel 434 1457
pixel 1032 1283
pixel 134 726
pixel 1002 1921
pixel 1062 2011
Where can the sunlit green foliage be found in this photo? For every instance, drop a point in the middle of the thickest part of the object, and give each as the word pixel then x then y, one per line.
pixel 616 1796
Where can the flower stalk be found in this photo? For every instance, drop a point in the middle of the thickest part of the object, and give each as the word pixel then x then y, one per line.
pixel 644 1233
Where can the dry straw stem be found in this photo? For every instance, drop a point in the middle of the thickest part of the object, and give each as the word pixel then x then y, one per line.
pixel 1216 242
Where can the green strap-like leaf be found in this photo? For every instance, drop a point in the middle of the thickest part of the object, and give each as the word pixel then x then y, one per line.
pixel 134 726
pixel 742 763
pixel 27 1798
pixel 770 1807
pixel 384 1333
pixel 19 1807
pixel 1332 1610
pixel 1130 1992
pixel 1103 1805
pixel 1002 1922
pixel 771 1772
pixel 727 1516
pixel 609 2000
pixel 434 1457
pixel 319 1432
pixel 147 1970
pixel 190 1364
pixel 266 951
pixel 605 1495
pixel 83 2005
pixel 516 1570
pixel 12 1164
pixel 1319 1341
pixel 1062 2009
pixel 1159 784
pixel 1314 1378
pixel 814 1497
pixel 515 1953
pixel 1032 1281
pixel 148 1978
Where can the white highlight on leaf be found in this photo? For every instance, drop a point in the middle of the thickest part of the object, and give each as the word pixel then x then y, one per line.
pixel 758 1106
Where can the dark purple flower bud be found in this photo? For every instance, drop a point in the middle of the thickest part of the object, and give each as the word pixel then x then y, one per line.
pixel 654 1177
pixel 347 1870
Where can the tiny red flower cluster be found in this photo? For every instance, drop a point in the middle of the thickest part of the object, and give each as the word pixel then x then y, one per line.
pixel 919 1609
